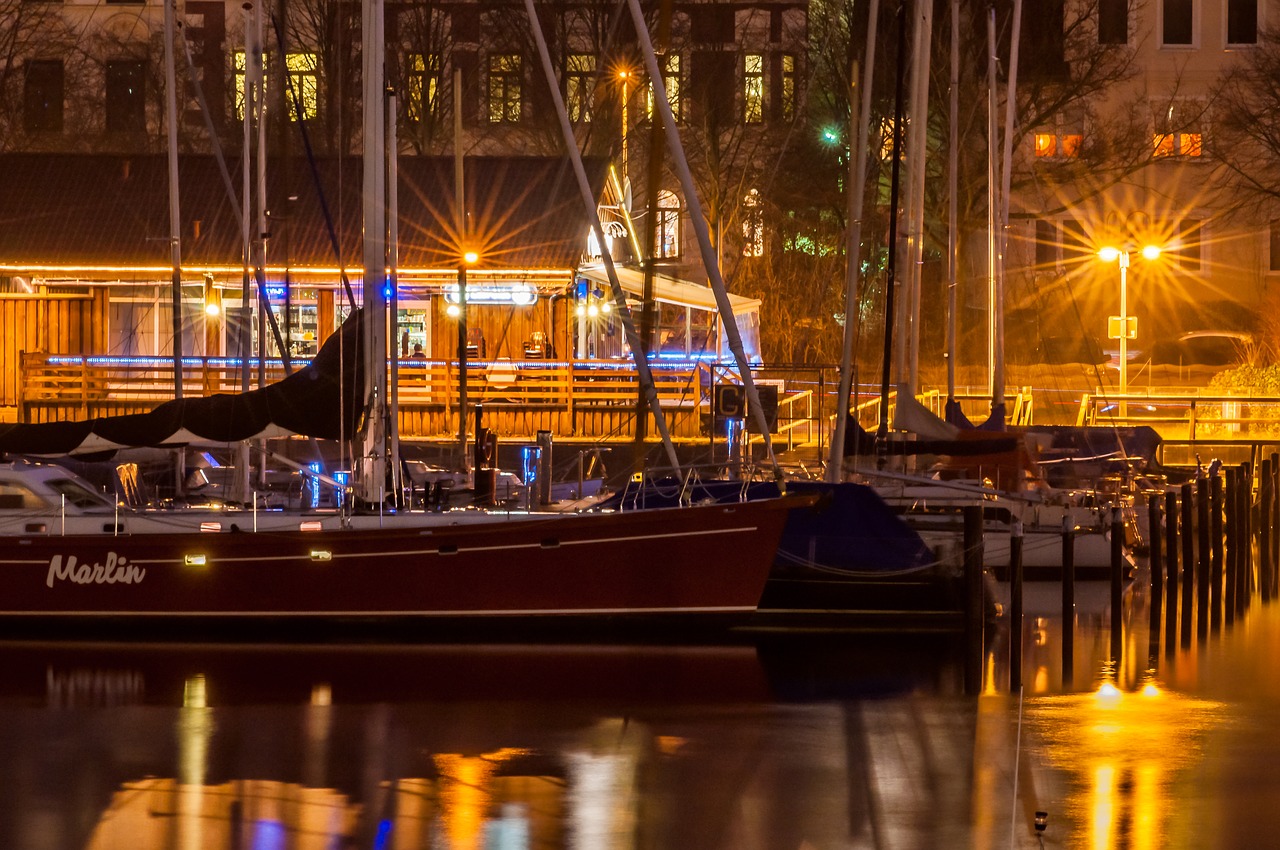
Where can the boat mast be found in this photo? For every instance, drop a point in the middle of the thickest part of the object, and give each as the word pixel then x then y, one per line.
pixel 708 251
pixel 857 191
pixel 953 204
pixel 175 215
pixel 460 227
pixel 371 480
pixel 917 151
pixel 1006 169
pixel 393 284
pixel 891 265
pixel 619 297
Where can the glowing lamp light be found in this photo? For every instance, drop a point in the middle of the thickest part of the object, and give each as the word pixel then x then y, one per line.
pixel 593 311
pixel 212 310
pixel 453 311
pixel 1109 254
pixel 470 257
pixel 195 560
pixel 386 292
pixel 606 307
pixel 830 136
pixel 1150 252
pixel 1108 693
pixel 522 295
pixel 580 310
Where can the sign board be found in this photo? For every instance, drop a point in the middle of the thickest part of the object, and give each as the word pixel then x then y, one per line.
pixel 730 402
pixel 1113 327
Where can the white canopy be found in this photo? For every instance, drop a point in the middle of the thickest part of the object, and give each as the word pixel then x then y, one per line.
pixel 671 290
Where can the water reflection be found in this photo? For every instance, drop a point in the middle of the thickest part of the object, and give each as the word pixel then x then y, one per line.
pixel 824 744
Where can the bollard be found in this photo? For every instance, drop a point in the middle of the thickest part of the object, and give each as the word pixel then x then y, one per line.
pixel 1265 495
pixel 1157 575
pixel 1068 602
pixel 1170 569
pixel 976 608
pixel 1117 587
pixel 1202 558
pixel 1015 607
pixel 1216 555
pixel 1230 560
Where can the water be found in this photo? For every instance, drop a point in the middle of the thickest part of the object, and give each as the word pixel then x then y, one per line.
pixel 785 744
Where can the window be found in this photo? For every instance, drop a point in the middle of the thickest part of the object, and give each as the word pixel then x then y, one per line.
pixel 1242 21
pixel 1177 22
pixel 1113 21
pixel 1046 244
pixel 126 96
pixel 752 225
pixel 304 86
pixel 42 95
pixel 671 82
pixel 504 88
pixel 1059 243
pixel 753 88
pixel 1178 130
pixel 1275 245
pixel 668 229
pixel 424 86
pixel 238 62
pixel 1186 245
pixel 579 75
pixel 788 87
pixel 1060 140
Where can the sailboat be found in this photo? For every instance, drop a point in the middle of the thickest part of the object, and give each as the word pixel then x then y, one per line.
pixel 69 555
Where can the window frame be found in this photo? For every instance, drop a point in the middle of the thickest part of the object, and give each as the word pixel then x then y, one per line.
pixel 46 119
pixel 579 79
pixel 1192 25
pixel 667 226
pixel 422 81
pixel 753 93
pixel 1227 18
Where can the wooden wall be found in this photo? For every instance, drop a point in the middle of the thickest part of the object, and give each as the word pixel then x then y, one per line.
pixel 55 324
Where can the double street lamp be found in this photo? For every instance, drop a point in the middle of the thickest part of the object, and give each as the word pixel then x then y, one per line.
pixel 1124 326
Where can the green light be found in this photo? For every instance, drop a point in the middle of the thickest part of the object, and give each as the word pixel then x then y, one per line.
pixel 830 136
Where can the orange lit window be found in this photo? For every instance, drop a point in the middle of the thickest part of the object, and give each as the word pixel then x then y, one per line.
pixel 1046 144
pixel 1189 144
pixel 1071 144
pixel 1164 144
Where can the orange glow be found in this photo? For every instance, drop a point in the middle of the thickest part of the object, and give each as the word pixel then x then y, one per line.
pixel 1046 144
pixel 1071 144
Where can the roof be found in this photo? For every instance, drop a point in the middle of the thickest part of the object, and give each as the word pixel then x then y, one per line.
pixel 81 210
pixel 669 289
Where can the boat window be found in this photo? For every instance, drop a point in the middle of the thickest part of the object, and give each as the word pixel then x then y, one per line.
pixel 17 496
pixel 78 494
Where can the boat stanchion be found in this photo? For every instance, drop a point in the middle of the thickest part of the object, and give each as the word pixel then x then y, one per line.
pixel 1117 586
pixel 1068 601
pixel 1156 560
pixel 1273 567
pixel 975 609
pixel 1015 607
pixel 1170 570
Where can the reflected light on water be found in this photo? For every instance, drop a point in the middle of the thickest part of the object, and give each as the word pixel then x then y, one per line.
pixel 1118 753
pixel 466 794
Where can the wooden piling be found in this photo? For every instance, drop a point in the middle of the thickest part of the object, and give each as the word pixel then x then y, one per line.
pixel 1244 515
pixel 1068 602
pixel 1156 560
pixel 1230 559
pixel 975 612
pixel 1117 586
pixel 1202 559
pixel 1170 570
pixel 1186 512
pixel 1264 529
pixel 1015 607
pixel 1216 554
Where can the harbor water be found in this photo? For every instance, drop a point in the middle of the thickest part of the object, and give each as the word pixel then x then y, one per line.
pixel 782 742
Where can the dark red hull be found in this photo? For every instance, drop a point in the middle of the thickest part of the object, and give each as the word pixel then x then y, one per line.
pixel 704 559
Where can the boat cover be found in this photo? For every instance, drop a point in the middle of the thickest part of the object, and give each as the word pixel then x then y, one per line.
pixel 323 399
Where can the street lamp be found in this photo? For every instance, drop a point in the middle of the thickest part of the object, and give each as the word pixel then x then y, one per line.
pixel 1125 327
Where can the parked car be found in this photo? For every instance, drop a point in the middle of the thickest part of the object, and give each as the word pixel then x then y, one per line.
pixel 1203 348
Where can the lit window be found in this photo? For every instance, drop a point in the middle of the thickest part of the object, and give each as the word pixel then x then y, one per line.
pixel 671 82
pixel 788 87
pixel 579 75
pixel 752 225
pixel 1046 144
pixel 504 88
pixel 424 85
pixel 668 230
pixel 1178 131
pixel 886 136
pixel 753 88
pixel 304 86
